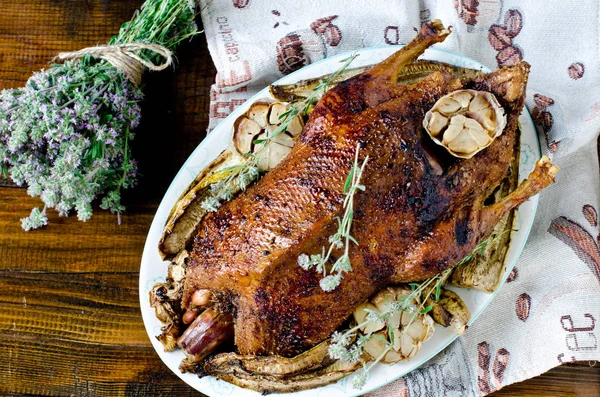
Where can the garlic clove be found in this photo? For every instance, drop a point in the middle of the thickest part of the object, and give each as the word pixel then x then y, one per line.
pixel 277 109
pixel 417 330
pixel 384 299
pixel 447 106
pixel 376 345
pixel 463 143
pixel 360 315
pixel 295 126
pixel 392 357
pixel 408 346
pixel 263 160
pixel 246 130
pixel 281 138
pixel 276 153
pixel 463 98
pixel 429 323
pixel 397 339
pixel 394 320
pixel 483 120
pixel 405 319
pixel 478 103
pixel 259 112
pixel 451 133
pixel 437 123
pixel 480 136
pixel 458 119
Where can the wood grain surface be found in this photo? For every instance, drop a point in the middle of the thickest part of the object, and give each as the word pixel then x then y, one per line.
pixel 70 323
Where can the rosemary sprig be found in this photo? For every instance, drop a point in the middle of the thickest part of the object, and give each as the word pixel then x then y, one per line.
pixel 241 176
pixel 341 238
pixel 348 345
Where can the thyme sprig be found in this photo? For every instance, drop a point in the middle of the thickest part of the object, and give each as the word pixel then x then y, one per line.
pixel 66 134
pixel 240 176
pixel 348 345
pixel 342 238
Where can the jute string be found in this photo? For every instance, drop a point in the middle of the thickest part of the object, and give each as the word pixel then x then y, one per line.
pixel 124 57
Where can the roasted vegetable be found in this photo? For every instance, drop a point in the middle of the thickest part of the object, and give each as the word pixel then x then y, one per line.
pixel 485 271
pixel 450 311
pixel 187 213
pixel 165 298
pixel 410 74
pixel 269 365
pixel 274 374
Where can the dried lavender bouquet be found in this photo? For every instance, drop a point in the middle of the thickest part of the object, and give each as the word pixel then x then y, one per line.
pixel 66 133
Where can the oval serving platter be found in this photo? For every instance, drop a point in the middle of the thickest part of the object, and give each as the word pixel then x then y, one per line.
pixel 153 269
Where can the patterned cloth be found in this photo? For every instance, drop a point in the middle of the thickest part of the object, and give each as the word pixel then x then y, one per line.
pixel 547 312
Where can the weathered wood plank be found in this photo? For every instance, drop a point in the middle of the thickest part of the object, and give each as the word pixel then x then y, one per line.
pixel 579 379
pixel 76 333
pixel 67 245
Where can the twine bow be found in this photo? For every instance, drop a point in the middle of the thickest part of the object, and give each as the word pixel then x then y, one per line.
pixel 125 58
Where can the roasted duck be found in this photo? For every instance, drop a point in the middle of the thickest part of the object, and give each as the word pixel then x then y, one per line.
pixel 422 211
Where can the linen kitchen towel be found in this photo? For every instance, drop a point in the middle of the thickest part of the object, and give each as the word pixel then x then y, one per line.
pixel 548 311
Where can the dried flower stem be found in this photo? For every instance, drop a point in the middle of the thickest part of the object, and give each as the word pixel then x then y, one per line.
pixel 341 238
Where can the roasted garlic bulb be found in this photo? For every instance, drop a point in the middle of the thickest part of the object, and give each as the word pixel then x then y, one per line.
pixel 261 120
pixel 409 331
pixel 465 122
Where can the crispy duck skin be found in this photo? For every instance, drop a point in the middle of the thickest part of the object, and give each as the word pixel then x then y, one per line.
pixel 422 210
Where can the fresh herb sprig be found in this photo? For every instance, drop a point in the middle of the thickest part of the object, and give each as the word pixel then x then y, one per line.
pixel 67 133
pixel 342 238
pixel 240 176
pixel 348 345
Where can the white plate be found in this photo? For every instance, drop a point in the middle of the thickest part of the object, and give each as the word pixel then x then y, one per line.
pixel 154 270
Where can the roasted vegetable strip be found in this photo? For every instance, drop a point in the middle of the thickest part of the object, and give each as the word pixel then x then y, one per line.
pixel 485 271
pixel 269 365
pixel 265 384
pixel 188 212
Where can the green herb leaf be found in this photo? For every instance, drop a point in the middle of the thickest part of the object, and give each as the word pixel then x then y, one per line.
pixel 438 291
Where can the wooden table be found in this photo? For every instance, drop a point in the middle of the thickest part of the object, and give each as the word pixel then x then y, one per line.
pixel 70 323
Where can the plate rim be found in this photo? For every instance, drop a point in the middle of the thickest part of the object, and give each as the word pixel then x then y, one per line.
pixel 143 299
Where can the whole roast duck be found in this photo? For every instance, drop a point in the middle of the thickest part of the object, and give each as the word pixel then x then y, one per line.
pixel 422 210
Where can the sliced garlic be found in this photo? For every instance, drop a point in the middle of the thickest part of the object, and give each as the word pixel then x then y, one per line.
pixel 392 357
pixel 465 122
pixel 260 119
pixel 448 106
pixel 360 314
pixel 408 330
pixel 376 345
pixel 437 123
